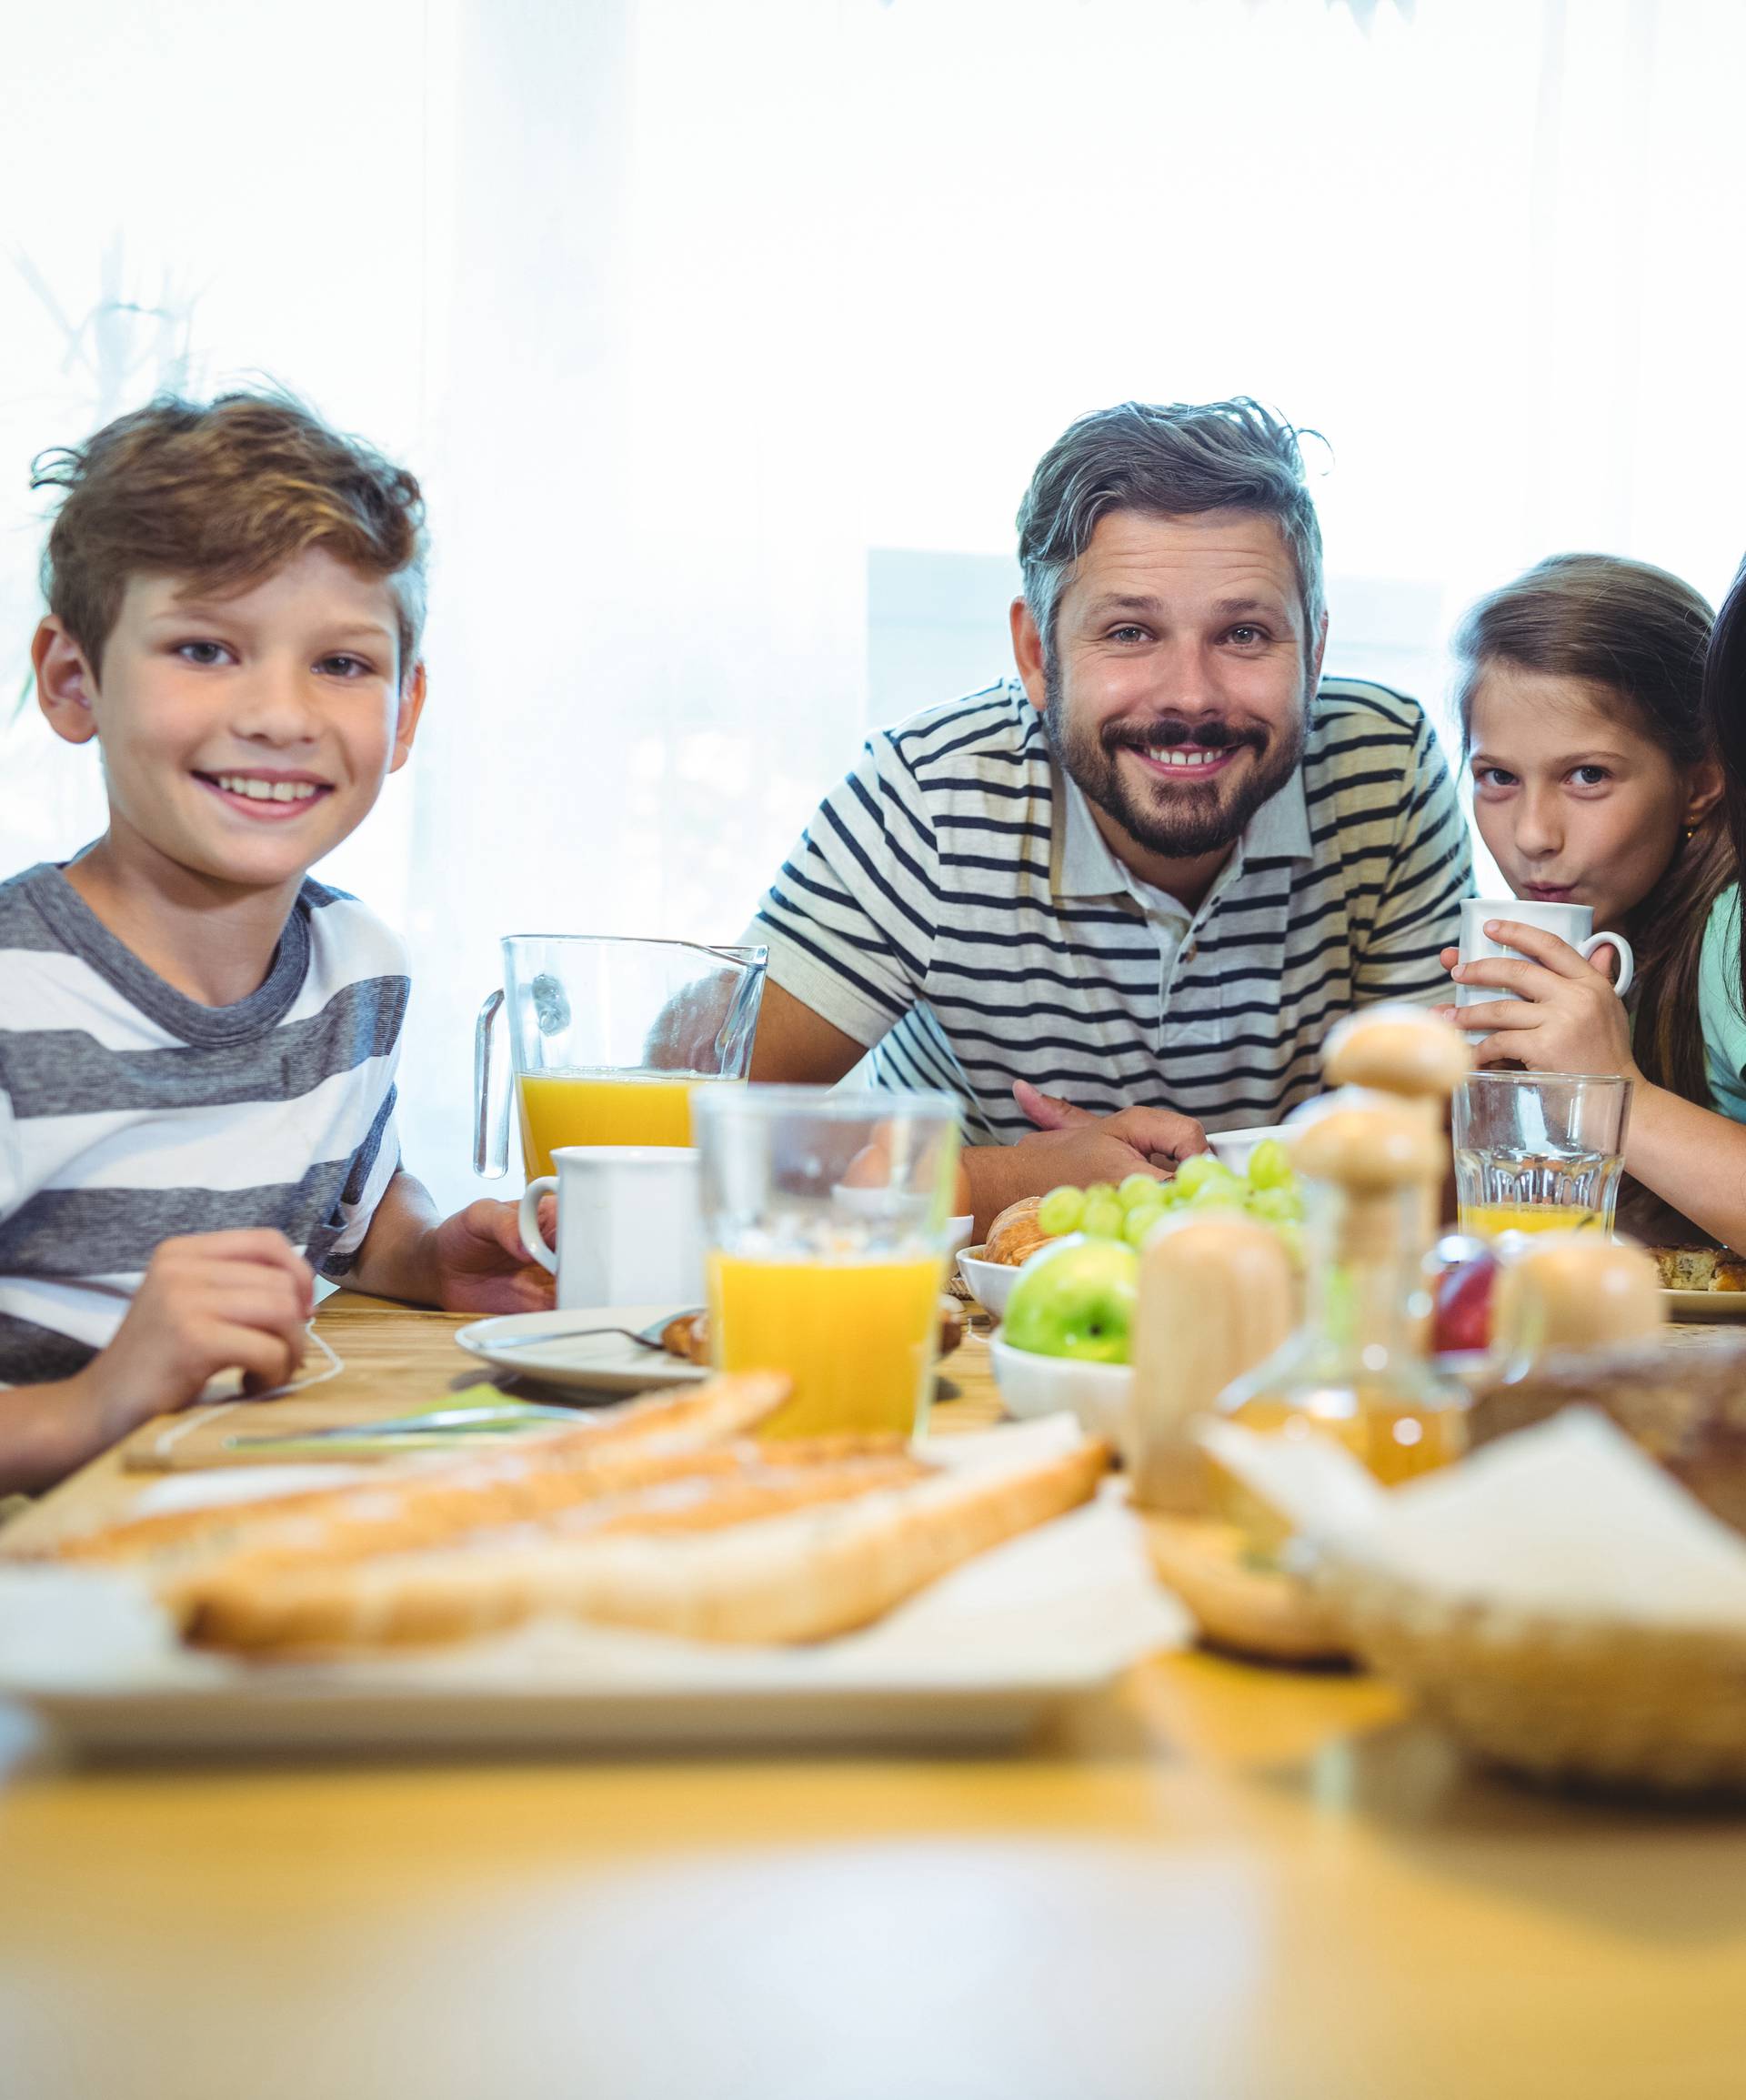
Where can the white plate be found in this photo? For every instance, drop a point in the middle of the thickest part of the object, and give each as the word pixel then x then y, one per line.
pixel 1705 1304
pixel 975 1658
pixel 1234 1146
pixel 599 1364
pixel 988 1282
pixel 880 1203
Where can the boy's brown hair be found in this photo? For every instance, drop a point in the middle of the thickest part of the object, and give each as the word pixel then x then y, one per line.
pixel 223 495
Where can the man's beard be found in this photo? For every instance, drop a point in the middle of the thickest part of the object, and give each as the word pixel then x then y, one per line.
pixel 1181 822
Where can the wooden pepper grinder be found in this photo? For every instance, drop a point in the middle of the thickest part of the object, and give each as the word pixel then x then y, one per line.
pixel 1216 1298
pixel 1563 1290
pixel 1401 1050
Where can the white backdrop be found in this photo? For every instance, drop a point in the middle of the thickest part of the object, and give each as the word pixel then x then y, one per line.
pixel 696 319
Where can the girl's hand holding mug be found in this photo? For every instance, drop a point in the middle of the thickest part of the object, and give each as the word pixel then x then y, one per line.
pixel 1562 1013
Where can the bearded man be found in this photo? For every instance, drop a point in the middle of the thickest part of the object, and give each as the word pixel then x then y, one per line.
pixel 1124 895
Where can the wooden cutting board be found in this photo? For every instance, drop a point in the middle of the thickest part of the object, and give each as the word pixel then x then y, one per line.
pixel 393 1360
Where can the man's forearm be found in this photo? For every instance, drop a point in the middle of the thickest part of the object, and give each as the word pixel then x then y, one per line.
pixel 992 1176
pixel 396 1259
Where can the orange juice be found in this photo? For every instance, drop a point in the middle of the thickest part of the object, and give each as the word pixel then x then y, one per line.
pixel 857 1337
pixel 564 1107
pixel 1490 1220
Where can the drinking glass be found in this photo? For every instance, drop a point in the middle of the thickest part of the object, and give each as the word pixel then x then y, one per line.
pixel 1539 1151
pixel 609 1042
pixel 825 1221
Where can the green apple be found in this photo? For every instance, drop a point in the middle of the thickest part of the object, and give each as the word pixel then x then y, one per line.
pixel 1076 1299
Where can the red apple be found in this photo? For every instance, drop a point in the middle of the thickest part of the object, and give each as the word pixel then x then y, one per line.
pixel 1461 1296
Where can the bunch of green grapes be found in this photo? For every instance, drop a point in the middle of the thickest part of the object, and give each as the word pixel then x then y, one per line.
pixel 1268 1191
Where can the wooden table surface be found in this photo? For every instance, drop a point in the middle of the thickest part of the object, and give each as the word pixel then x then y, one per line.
pixel 1217 1883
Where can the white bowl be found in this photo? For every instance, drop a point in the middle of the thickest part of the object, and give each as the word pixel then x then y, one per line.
pixel 989 1282
pixel 1032 1386
pixel 1234 1147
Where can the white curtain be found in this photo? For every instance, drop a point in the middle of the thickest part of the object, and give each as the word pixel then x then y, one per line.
pixel 725 338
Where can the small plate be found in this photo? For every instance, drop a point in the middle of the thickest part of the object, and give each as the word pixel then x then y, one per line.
pixel 1234 1146
pixel 595 1363
pixel 1705 1304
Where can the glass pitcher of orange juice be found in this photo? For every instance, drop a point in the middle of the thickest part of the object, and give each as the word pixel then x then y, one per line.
pixel 608 1041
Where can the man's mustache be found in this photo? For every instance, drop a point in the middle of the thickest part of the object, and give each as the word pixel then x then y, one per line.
pixel 1202 733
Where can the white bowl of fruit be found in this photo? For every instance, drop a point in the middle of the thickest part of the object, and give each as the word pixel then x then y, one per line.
pixel 1065 1341
pixel 1067 1300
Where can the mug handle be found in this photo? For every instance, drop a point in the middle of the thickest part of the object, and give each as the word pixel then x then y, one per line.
pixel 1627 961
pixel 527 1221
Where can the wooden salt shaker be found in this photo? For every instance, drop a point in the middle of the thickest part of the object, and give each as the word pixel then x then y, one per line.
pixel 1215 1299
pixel 1563 1290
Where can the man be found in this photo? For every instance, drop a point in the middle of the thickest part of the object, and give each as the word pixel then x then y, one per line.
pixel 1125 896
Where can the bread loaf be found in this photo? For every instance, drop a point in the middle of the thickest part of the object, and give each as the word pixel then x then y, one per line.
pixel 803 1574
pixel 1686 1408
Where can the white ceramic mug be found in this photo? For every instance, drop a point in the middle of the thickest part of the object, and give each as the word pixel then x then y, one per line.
pixel 1571 922
pixel 629 1225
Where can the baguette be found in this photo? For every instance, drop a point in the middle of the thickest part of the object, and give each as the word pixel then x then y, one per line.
pixel 800 1575
pixel 626 1447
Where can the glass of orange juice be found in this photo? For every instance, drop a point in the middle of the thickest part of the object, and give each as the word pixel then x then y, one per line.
pixel 1539 1151
pixel 609 1042
pixel 827 1221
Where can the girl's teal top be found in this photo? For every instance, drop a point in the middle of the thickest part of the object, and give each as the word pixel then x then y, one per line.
pixel 1719 1007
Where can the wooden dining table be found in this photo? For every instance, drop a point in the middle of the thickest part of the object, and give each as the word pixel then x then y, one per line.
pixel 1213 1881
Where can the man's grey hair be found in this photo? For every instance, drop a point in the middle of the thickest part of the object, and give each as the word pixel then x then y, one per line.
pixel 1168 461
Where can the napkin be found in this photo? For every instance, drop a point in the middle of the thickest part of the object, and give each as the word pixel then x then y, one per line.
pixel 1569 1519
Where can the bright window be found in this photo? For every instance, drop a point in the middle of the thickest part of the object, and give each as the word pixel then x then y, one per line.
pixel 725 339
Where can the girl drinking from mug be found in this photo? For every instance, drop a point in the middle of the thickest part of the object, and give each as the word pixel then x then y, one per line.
pixel 1596 783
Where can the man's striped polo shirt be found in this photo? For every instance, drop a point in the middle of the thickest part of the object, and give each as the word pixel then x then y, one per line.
pixel 953 903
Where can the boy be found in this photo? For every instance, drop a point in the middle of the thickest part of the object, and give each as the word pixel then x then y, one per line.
pixel 197 1044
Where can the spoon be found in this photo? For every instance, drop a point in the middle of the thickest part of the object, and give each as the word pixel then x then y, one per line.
pixel 648 1337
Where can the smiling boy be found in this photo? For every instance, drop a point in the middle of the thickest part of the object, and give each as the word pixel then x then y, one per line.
pixel 197 1042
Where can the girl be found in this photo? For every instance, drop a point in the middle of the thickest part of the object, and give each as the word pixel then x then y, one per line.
pixel 1595 783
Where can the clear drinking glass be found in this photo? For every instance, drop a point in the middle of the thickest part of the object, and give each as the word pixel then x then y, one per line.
pixel 1539 1151
pixel 610 1040
pixel 825 1220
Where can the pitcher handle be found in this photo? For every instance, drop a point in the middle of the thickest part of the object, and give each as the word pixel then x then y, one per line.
pixel 490 1138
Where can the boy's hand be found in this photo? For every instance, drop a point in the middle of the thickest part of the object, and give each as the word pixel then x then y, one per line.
pixel 481 1265
pixel 214 1301
pixel 1560 1014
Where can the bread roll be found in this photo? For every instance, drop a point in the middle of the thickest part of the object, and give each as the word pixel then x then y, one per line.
pixel 1015 1235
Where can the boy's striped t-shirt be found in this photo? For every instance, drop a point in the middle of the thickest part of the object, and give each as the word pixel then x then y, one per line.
pixel 130 1114
pixel 954 904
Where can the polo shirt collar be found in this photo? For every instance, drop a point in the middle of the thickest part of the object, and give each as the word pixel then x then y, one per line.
pixel 1081 864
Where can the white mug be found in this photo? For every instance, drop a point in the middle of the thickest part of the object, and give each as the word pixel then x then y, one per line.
pixel 1569 922
pixel 629 1225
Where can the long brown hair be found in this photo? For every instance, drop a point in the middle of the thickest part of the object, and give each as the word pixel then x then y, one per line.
pixel 1637 636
